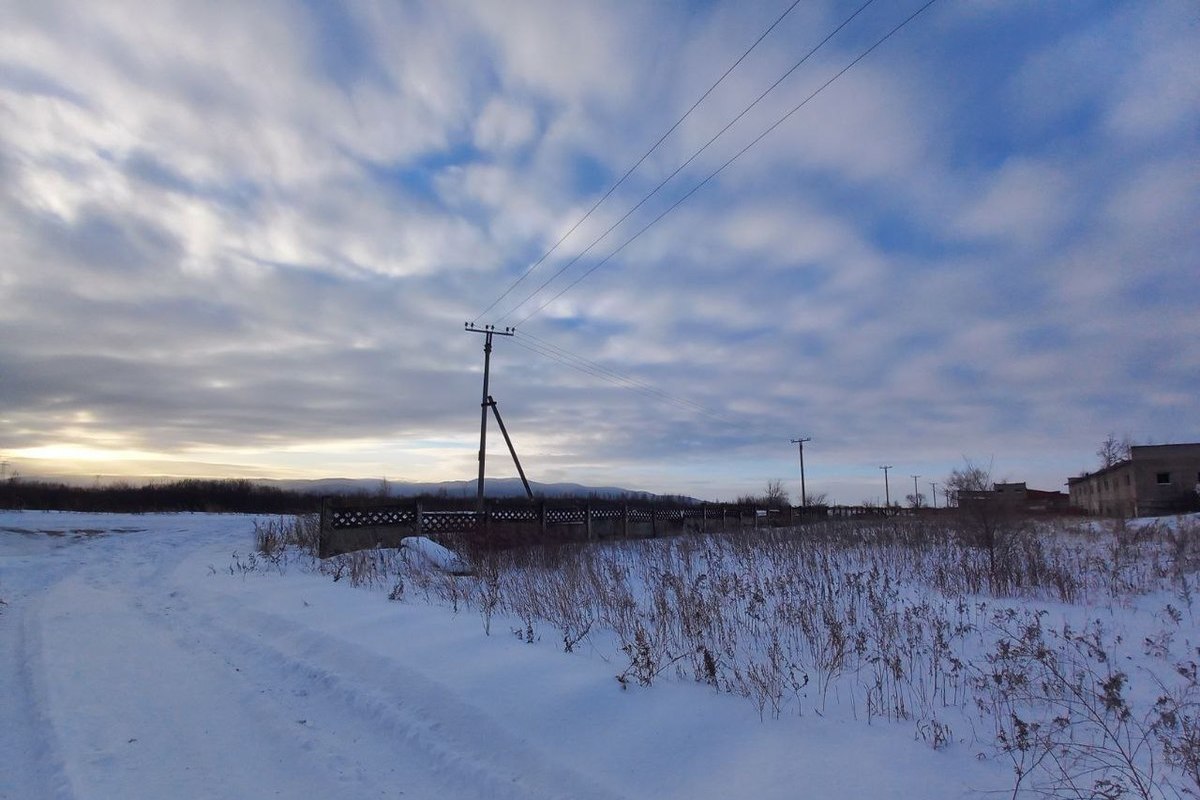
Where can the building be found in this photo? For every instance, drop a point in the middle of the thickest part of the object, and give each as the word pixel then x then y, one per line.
pixel 1031 501
pixel 1155 479
pixel 1017 498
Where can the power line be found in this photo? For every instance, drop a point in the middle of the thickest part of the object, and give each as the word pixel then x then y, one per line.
pixel 722 168
pixel 638 163
pixel 577 362
pixel 689 160
pixel 581 364
pixel 633 383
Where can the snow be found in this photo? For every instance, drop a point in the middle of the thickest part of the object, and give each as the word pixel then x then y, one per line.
pixel 434 554
pixel 138 661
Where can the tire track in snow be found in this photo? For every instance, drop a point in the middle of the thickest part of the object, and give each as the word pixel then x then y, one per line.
pixel 360 698
pixel 33 766
pixel 145 691
pixel 140 715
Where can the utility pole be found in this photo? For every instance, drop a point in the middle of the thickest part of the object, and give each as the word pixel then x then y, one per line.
pixel 916 493
pixel 933 493
pixel 488 331
pixel 803 493
pixel 887 492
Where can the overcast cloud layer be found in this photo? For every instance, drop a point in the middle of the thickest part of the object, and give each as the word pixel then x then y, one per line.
pixel 242 239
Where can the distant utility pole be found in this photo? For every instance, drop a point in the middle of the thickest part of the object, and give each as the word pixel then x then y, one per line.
pixel 887 492
pixel 489 331
pixel 933 492
pixel 916 493
pixel 803 494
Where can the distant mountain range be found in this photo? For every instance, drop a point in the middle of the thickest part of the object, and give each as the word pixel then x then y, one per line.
pixel 493 487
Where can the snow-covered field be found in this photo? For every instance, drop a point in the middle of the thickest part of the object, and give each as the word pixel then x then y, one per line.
pixel 137 660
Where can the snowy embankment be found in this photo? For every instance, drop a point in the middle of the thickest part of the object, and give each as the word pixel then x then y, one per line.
pixel 143 657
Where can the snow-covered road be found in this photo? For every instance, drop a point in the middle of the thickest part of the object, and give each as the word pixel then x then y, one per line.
pixel 133 664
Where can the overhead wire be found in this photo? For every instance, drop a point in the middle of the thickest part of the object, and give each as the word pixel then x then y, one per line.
pixel 688 161
pixel 591 368
pixel 560 355
pixel 633 382
pixel 639 162
pixel 565 357
pixel 725 165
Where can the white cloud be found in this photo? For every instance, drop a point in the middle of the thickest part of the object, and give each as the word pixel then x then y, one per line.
pixel 1027 201
pixel 268 238
pixel 504 126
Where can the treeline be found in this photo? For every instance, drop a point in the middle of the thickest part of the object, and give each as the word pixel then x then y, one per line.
pixel 241 496
pixel 229 496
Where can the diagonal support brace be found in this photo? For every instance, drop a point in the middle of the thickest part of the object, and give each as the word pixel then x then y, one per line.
pixel 491 401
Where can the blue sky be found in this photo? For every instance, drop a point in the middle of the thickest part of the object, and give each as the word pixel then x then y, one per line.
pixel 242 239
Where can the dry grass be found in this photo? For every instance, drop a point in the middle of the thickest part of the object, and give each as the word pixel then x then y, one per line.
pixel 903 621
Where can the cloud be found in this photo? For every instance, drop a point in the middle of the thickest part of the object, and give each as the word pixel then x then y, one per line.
pixel 504 126
pixel 1026 201
pixel 246 237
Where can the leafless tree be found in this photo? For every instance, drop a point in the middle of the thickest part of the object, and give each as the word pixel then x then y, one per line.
pixel 1113 452
pixel 776 496
pixel 819 499
pixel 985 521
pixel 970 478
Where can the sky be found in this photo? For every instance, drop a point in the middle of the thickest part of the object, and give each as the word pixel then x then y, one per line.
pixel 242 240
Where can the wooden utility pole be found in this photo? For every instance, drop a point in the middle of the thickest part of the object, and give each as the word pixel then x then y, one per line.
pixel 803 493
pixel 916 493
pixel 488 331
pixel 887 493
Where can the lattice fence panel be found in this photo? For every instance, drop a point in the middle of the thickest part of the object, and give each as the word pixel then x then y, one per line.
pixel 447 521
pixel 515 514
pixel 341 519
pixel 566 516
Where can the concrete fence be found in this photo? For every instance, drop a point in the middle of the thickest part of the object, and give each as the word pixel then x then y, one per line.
pixel 349 524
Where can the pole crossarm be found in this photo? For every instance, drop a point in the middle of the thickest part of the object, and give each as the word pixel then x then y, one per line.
pixel 489 330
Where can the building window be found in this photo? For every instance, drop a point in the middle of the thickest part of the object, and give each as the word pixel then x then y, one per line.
pixel 1162 478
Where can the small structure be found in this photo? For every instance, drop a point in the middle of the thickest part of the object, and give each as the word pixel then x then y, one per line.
pixel 1032 501
pixel 1017 498
pixel 1155 479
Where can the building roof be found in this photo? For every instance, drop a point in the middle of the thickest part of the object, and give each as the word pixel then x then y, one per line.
pixel 1133 451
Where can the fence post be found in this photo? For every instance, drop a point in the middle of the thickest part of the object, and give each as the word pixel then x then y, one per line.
pixel 724 524
pixel 420 521
pixel 323 533
pixel 542 519
pixel 704 517
pixel 653 522
pixel 588 519
pixel 625 520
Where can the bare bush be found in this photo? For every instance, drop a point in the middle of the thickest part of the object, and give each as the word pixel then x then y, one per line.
pixel 900 620
pixel 1064 714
